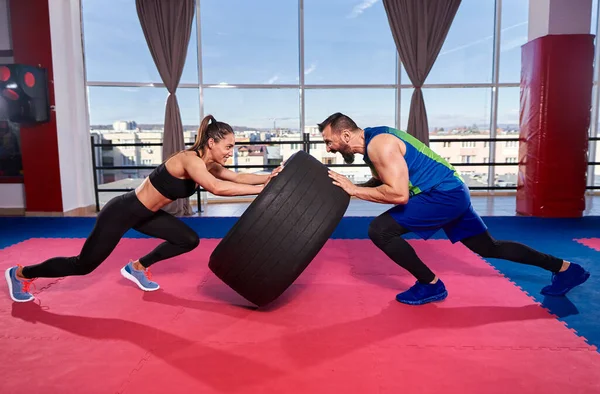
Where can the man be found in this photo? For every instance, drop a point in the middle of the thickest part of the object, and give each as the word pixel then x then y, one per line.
pixel 428 195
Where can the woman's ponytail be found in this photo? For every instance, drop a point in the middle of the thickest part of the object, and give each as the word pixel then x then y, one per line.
pixel 202 136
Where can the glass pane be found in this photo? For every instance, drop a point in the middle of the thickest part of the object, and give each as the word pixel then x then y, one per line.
pixel 593 131
pixel 348 42
pixel 115 46
pixel 595 158
pixel 10 150
pixel 367 107
pixel 134 115
pixel 405 97
pixel 268 115
pixel 250 42
pixel 508 128
pixel 459 114
pixel 507 153
pixel 127 108
pixel 467 53
pixel 506 176
pixel 463 154
pixel 127 156
pixel 594 20
pixel 264 110
pixel 509 105
pixel 515 17
pixel 453 114
pixel 453 110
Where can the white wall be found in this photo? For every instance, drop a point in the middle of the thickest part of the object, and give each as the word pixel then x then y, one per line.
pixel 539 18
pixel 71 109
pixel 559 17
pixel 12 195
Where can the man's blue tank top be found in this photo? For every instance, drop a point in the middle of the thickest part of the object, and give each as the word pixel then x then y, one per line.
pixel 426 169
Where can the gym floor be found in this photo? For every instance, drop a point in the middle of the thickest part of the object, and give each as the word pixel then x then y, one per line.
pixel 484 205
pixel 337 328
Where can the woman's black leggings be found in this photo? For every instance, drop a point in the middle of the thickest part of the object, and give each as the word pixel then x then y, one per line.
pixel 118 216
pixel 386 233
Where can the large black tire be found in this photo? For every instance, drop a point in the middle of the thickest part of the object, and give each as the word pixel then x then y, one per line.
pixel 281 231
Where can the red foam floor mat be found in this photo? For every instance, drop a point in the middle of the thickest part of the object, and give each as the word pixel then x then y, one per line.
pixel 593 243
pixel 338 328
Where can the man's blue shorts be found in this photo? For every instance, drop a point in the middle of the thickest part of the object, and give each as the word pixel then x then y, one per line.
pixel 432 210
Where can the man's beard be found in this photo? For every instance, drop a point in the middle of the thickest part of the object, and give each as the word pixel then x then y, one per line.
pixel 346 153
pixel 348 157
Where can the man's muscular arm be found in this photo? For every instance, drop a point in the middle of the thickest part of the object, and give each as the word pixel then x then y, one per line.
pixel 373 182
pixel 388 160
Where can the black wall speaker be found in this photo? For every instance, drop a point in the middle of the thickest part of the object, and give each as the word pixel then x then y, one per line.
pixel 24 94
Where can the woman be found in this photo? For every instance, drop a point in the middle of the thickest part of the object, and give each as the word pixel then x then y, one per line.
pixel 177 177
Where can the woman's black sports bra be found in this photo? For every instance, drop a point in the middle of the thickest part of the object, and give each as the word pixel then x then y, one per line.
pixel 169 186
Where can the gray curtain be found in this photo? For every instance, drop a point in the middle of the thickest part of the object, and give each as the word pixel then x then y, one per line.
pixel 419 28
pixel 167 26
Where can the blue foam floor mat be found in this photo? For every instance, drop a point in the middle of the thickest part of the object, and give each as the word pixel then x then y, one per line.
pixel 554 236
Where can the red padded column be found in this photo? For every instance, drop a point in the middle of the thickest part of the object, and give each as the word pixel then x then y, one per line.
pixel 30 24
pixel 556 94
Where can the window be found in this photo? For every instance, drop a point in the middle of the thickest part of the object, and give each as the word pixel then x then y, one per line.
pixel 367 107
pixel 115 46
pixel 467 53
pixel 508 127
pixel 249 42
pixel 255 110
pixel 347 42
pixel 127 109
pixel 513 35
pixel 127 115
pixel 593 26
pixel 508 110
pixel 270 113
pixel 10 150
pixel 458 111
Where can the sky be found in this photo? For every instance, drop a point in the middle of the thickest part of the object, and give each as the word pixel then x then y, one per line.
pixel 345 42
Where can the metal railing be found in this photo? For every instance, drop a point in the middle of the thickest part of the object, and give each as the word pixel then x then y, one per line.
pixel 305 143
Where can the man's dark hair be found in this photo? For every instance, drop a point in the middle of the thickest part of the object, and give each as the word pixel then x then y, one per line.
pixel 338 122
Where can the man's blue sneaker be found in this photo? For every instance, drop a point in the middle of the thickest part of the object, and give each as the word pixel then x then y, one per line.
pixel 420 293
pixel 563 282
pixel 18 289
pixel 140 278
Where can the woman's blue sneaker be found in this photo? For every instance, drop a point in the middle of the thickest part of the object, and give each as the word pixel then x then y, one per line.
pixel 420 293
pixel 563 282
pixel 140 278
pixel 18 289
